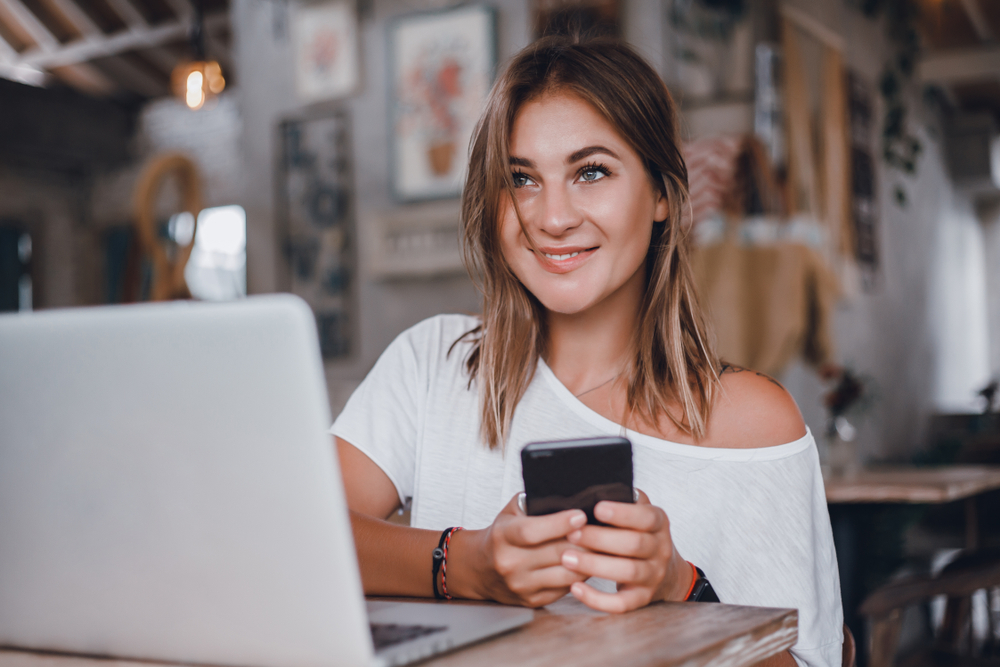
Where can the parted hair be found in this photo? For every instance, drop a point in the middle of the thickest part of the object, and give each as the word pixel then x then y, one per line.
pixel 673 369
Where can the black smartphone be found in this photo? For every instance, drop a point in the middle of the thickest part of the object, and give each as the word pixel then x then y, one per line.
pixel 576 474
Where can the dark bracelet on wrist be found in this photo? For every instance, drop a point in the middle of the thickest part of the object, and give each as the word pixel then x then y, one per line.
pixel 439 563
pixel 701 589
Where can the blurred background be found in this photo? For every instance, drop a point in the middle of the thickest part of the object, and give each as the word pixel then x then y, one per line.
pixel 844 166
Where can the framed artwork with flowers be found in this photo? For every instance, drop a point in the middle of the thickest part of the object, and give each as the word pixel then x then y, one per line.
pixel 325 47
pixel 441 68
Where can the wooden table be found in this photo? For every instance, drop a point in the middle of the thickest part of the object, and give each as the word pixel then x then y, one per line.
pixel 899 485
pixel 940 484
pixel 913 485
pixel 567 633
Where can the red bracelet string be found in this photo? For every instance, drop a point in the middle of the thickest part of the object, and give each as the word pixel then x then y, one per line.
pixel 694 579
pixel 444 563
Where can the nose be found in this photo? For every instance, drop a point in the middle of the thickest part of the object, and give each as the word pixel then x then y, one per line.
pixel 559 214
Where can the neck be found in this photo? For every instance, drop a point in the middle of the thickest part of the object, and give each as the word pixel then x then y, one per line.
pixel 589 348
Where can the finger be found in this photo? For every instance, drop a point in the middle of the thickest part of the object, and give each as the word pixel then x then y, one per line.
pixel 553 577
pixel 616 541
pixel 513 559
pixel 639 516
pixel 621 570
pixel 614 603
pixel 544 597
pixel 526 531
pixel 642 498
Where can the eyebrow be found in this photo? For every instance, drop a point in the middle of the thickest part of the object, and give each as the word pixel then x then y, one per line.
pixel 575 157
pixel 591 150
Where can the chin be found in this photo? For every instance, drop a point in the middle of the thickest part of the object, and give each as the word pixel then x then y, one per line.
pixel 565 304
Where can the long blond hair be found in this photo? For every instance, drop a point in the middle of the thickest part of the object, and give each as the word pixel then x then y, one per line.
pixel 674 362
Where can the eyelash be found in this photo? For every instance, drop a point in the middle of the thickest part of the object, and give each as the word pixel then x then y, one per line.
pixel 593 166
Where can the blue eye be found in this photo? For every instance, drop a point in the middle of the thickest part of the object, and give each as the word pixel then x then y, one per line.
pixel 520 179
pixel 593 172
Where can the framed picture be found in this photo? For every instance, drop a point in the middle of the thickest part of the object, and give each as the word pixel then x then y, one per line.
pixel 316 202
pixel 325 42
pixel 441 67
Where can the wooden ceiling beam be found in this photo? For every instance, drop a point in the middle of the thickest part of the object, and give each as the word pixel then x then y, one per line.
pixel 127 11
pixel 84 50
pixel 76 17
pixel 89 79
pixel 160 58
pixel 960 65
pixel 132 77
pixel 43 38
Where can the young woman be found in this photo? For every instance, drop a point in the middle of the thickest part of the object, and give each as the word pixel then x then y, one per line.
pixel 571 224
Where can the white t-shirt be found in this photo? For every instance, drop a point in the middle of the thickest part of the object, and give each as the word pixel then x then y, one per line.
pixel 755 520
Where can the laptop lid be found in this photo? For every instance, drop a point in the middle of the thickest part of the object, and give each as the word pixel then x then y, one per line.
pixel 168 490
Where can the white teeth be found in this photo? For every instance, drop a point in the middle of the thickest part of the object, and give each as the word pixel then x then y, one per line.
pixel 561 257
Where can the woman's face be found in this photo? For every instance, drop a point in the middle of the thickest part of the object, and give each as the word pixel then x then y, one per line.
pixel 586 200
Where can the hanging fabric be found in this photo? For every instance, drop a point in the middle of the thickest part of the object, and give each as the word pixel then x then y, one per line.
pixel 819 177
pixel 768 291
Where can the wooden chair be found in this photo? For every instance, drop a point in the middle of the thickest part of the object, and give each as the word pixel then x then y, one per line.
pixel 954 644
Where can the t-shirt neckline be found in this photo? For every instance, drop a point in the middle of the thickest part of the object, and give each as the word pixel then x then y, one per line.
pixel 680 449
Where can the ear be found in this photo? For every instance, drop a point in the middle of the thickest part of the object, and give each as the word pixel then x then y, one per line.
pixel 662 207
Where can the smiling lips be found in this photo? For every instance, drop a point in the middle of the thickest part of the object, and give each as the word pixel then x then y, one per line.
pixel 563 260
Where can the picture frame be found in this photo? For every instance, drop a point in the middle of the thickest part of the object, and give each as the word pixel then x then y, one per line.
pixel 317 209
pixel 414 242
pixel 441 67
pixel 325 43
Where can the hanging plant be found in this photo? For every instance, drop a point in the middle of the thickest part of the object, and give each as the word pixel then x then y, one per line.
pixel 901 148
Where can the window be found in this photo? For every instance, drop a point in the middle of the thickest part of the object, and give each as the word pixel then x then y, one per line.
pixel 217 269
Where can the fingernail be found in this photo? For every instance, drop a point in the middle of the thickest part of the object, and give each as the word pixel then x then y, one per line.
pixel 570 559
pixel 575 536
pixel 578 519
pixel 576 589
pixel 603 511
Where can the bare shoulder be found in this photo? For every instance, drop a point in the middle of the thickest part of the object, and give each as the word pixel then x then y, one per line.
pixel 753 410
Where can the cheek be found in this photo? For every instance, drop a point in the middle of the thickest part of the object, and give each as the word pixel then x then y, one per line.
pixel 510 236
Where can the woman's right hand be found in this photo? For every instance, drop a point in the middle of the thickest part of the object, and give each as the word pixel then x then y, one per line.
pixel 516 560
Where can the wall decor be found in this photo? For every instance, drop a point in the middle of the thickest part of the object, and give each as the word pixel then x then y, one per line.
pixel 316 199
pixel 441 67
pixel 711 47
pixel 325 42
pixel 416 241
pixel 864 206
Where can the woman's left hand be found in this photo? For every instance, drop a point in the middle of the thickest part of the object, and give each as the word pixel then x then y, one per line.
pixel 635 549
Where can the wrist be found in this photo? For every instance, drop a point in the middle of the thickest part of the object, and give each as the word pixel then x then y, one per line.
pixel 682 580
pixel 463 581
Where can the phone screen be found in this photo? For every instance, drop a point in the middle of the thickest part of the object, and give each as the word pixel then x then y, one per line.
pixel 576 474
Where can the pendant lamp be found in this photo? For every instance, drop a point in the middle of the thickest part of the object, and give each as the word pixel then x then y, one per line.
pixel 197 80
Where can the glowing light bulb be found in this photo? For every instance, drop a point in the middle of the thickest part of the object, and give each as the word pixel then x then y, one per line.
pixel 195 96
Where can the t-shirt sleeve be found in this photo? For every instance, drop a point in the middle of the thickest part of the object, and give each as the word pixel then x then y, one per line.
pixel 381 417
pixel 760 529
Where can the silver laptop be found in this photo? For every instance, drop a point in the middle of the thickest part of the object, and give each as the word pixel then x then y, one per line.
pixel 168 491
